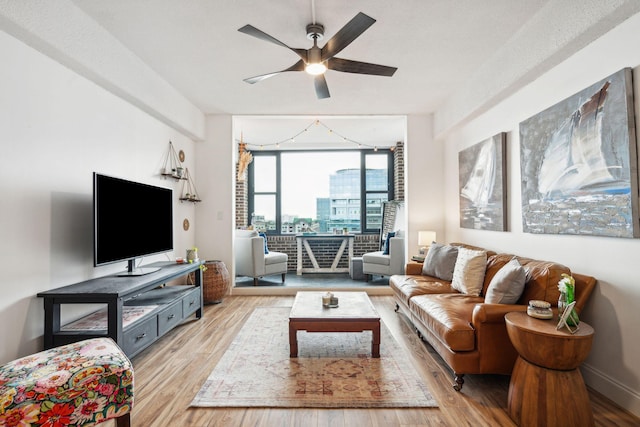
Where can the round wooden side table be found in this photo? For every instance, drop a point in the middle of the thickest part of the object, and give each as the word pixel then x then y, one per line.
pixel 546 387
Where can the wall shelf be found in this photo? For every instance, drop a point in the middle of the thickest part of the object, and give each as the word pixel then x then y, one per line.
pixel 172 166
pixel 189 192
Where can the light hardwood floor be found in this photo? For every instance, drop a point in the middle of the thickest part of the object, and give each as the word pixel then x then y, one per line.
pixel 169 373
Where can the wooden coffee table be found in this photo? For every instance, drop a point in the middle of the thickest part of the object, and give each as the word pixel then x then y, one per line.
pixel 355 313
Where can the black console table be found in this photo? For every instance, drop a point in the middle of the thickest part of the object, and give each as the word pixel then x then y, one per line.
pixel 172 304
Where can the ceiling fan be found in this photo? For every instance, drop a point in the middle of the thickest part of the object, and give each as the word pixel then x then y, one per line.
pixel 316 60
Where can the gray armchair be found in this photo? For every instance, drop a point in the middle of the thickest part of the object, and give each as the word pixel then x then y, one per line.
pixel 251 260
pixel 377 263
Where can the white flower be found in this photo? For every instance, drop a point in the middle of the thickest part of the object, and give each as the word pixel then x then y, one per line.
pixel 566 282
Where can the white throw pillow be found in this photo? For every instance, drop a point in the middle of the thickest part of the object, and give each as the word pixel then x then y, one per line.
pixel 507 285
pixel 468 274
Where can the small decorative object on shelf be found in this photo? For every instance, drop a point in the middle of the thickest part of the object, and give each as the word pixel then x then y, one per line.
pixel 189 192
pixel 326 299
pixel 540 309
pixel 567 288
pixel 333 302
pixel 565 317
pixel 172 164
pixel 192 255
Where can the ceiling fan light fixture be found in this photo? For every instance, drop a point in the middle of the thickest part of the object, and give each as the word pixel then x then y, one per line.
pixel 316 61
pixel 316 68
pixel 314 65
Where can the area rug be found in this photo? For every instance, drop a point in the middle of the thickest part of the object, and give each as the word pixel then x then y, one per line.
pixel 332 370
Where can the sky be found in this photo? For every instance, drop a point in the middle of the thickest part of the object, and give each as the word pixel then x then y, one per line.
pixel 305 177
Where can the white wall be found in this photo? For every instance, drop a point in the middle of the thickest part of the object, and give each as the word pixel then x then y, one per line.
pixel 423 181
pixel 612 367
pixel 215 216
pixel 62 31
pixel 57 128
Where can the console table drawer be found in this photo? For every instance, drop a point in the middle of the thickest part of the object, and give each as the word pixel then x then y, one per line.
pixel 169 317
pixel 191 302
pixel 139 336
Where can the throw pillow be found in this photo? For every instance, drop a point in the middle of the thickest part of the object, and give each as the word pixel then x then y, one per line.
pixel 385 245
pixel 468 274
pixel 264 236
pixel 440 261
pixel 507 285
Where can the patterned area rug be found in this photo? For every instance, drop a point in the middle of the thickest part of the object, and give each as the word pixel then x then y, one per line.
pixel 332 370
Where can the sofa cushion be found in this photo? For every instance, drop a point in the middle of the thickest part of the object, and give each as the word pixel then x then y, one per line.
pixel 494 263
pixel 507 285
pixel 406 287
pixel 468 273
pixel 447 316
pixel 542 280
pixel 440 261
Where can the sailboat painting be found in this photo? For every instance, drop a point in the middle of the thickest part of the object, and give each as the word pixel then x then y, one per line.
pixel 482 185
pixel 578 163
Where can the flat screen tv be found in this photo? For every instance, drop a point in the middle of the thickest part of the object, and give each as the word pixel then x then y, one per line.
pixel 130 220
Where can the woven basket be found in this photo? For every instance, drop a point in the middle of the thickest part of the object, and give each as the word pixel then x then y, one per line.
pixel 215 282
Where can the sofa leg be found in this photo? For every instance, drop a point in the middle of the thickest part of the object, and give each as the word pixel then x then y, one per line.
pixel 283 276
pixel 397 308
pixel 458 381
pixel 255 281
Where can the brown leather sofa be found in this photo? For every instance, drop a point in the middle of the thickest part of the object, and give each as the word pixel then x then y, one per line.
pixel 471 336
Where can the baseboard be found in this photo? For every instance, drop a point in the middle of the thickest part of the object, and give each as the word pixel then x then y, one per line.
pixel 612 389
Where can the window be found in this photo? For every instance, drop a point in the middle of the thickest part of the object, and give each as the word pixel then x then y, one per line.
pixel 319 191
pixel 263 206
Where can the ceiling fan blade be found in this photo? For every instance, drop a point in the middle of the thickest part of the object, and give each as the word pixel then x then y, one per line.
pixel 253 31
pixel 322 90
pixel 349 66
pixel 298 66
pixel 346 35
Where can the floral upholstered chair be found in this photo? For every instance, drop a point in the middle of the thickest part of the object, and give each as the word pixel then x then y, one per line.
pixel 78 384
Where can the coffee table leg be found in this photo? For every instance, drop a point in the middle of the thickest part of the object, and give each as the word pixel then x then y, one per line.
pixel 293 340
pixel 375 341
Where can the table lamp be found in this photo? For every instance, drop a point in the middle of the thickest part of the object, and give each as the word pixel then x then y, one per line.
pixel 424 240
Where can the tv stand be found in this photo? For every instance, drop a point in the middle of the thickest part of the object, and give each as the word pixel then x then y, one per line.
pixel 140 271
pixel 164 306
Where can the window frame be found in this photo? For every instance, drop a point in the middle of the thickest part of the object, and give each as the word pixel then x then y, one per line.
pixel 251 193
